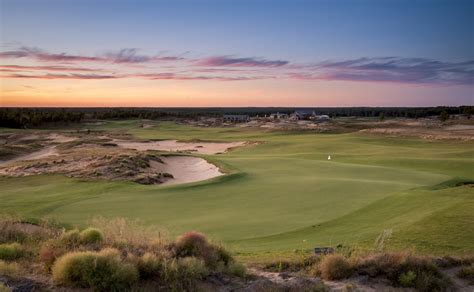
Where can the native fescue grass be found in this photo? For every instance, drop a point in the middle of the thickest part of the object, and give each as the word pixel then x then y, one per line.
pixel 103 260
pixel 283 194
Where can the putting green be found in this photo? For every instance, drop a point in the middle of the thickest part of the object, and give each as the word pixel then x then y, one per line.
pixel 284 194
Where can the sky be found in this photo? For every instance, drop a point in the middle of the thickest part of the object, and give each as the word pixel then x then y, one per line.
pixel 236 53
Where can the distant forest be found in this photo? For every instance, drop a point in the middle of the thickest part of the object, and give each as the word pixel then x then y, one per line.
pixel 34 117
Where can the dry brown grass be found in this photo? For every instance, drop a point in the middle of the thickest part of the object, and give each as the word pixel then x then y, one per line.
pixel 121 232
pixel 335 267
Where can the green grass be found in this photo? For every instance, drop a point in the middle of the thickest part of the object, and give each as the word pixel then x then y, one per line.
pixel 283 194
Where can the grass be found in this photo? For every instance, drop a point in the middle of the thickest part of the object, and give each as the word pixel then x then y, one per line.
pixel 283 194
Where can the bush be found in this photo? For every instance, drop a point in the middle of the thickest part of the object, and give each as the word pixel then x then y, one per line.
pixel 335 267
pixel 181 274
pixel 237 269
pixel 49 252
pixel 385 264
pixel 149 265
pixel 428 277
pixel 9 252
pixel 195 244
pixel 102 271
pixel 467 273
pixel 8 269
pixel 91 236
pixel 4 288
pixel 72 238
pixel 405 270
pixel 407 279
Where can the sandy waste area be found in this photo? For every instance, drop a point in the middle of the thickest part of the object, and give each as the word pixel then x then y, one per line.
pixel 115 160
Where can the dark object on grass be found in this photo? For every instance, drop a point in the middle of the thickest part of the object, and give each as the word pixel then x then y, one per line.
pixel 323 250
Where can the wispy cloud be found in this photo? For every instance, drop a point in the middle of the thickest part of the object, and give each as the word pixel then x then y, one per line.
pixel 231 68
pixel 62 76
pixel 20 68
pixel 229 61
pixel 392 69
pixel 173 76
pixel 120 56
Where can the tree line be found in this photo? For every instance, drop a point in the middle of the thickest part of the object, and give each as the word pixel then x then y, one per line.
pixel 34 117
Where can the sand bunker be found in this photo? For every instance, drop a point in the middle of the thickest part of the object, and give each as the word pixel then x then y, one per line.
pixel 124 165
pixel 176 146
pixel 187 169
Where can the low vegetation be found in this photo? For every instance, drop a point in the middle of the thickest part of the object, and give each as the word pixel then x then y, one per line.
pixel 121 256
pixel 400 269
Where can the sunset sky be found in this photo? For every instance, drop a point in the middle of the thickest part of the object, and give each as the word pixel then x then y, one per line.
pixel 236 53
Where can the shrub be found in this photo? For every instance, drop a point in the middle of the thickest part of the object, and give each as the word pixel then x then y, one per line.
pixel 8 269
pixel 149 265
pixel 9 252
pixel 428 277
pixel 91 236
pixel 4 288
pixel 335 267
pixel 386 264
pixel 181 274
pixel 72 238
pixel 195 244
pixel 102 271
pixel 407 279
pixel 237 269
pixel 49 252
pixel 467 273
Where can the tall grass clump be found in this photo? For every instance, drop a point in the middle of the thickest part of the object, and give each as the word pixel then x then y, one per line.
pixel 126 233
pixel 406 270
pixel 467 273
pixel 150 265
pixel 8 269
pixel 101 271
pixel 195 244
pixel 11 251
pixel 91 236
pixel 335 267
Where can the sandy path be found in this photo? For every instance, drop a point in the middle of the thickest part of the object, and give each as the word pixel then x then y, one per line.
pixel 187 169
pixel 174 146
pixel 43 153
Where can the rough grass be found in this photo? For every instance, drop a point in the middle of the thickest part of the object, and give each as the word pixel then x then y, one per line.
pixel 103 271
pixel 103 261
pixel 11 251
pixel 335 267
pixel 91 236
pixel 9 269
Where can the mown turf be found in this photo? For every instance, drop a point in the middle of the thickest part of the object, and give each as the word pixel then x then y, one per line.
pixel 284 194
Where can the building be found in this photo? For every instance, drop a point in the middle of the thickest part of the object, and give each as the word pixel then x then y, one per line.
pixel 303 115
pixel 278 116
pixel 236 118
pixel 322 118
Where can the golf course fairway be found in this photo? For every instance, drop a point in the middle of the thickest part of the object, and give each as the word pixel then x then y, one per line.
pixel 283 194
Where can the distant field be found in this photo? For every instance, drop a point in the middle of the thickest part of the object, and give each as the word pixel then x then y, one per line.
pixel 283 194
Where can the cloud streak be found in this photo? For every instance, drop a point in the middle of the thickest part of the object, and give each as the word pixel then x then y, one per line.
pixel 121 56
pixel 20 68
pixel 230 68
pixel 392 69
pixel 229 61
